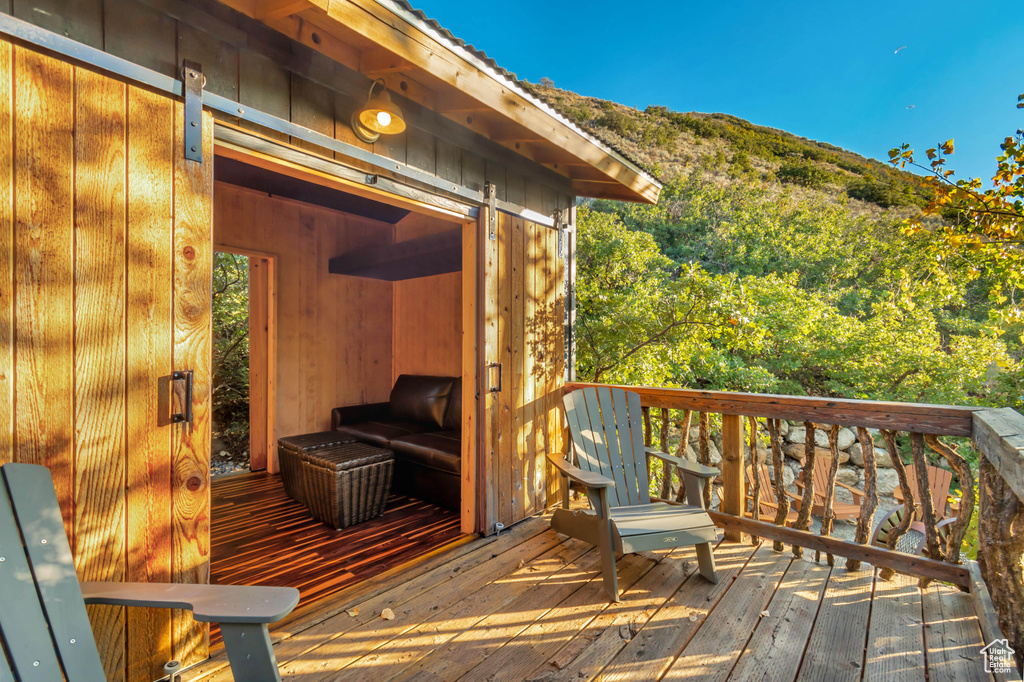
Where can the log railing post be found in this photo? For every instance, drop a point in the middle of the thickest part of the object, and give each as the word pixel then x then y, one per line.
pixel 732 471
pixel 999 435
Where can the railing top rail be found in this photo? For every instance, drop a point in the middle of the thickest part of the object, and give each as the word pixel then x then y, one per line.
pixel 999 434
pixel 941 420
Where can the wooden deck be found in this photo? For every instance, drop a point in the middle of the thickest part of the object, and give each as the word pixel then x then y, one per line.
pixel 528 605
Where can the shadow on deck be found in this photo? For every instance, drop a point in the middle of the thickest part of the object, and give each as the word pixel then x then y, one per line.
pixel 528 605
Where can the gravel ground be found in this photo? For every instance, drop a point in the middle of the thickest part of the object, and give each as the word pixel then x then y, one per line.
pixel 225 462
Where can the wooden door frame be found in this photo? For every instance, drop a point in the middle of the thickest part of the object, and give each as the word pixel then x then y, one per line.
pixel 263 410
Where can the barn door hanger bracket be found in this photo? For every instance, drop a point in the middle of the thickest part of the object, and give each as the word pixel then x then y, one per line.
pixel 558 216
pixel 491 197
pixel 192 76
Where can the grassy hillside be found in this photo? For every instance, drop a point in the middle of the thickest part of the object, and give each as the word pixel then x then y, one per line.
pixel 672 144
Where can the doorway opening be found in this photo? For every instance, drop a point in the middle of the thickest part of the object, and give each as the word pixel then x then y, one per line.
pixel 356 294
pixel 230 447
pixel 242 401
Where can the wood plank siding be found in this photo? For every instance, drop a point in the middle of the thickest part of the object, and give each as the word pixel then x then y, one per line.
pixel 248 62
pixel 526 307
pixel 105 247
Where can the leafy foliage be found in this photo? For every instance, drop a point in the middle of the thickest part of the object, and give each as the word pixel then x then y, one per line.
pixel 231 350
pixel 804 173
pixel 988 223
pixel 737 287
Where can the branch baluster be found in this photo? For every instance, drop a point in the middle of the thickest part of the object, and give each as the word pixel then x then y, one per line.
pixel 756 492
pixel 909 504
pixel 966 479
pixel 684 440
pixel 803 520
pixel 830 490
pixel 705 454
pixel 931 534
pixel 780 485
pixel 870 502
pixel 666 470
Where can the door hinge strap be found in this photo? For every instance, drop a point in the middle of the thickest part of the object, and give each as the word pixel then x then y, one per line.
pixel 490 197
pixel 192 76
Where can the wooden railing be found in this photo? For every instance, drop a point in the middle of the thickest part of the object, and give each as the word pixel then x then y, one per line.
pixel 753 422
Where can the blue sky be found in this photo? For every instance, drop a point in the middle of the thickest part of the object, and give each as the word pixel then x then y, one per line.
pixel 823 70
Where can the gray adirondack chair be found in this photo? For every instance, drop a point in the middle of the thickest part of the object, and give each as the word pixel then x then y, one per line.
pixel 611 462
pixel 43 623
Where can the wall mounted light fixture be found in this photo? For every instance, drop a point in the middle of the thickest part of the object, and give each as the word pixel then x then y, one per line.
pixel 379 116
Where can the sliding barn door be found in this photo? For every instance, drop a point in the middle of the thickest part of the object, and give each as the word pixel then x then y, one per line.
pixel 525 342
pixel 105 255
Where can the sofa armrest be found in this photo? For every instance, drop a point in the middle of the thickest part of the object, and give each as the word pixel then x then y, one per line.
pixel 354 414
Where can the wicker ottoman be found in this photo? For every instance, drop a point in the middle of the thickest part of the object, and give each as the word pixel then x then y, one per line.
pixel 291 451
pixel 347 484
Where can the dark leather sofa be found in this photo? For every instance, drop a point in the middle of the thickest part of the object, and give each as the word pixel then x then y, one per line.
pixel 422 424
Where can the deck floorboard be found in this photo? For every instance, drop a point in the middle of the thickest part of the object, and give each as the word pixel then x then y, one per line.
pixel 529 605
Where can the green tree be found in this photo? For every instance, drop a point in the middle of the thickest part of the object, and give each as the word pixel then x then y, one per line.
pixel 230 312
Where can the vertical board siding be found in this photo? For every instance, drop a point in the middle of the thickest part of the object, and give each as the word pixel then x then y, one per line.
pixel 87 335
pixel 44 257
pixel 150 201
pixel 99 341
pixel 491 425
pixel 506 435
pixel 190 445
pixel 525 296
pixel 6 255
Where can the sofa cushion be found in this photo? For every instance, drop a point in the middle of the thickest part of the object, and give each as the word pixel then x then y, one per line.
pixel 453 417
pixel 381 433
pixel 420 399
pixel 441 450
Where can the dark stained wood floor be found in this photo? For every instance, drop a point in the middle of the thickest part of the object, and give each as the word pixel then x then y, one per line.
pixel 260 536
pixel 529 605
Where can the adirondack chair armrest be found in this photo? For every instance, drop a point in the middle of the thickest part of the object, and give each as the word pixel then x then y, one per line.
pixel 699 470
pixel 208 603
pixel 587 478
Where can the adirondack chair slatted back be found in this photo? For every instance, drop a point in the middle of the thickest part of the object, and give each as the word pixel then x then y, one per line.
pixel 939 482
pixel 767 488
pixel 606 428
pixel 43 622
pixel 822 467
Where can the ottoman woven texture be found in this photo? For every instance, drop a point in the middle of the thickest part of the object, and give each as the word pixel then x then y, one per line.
pixel 291 452
pixel 347 484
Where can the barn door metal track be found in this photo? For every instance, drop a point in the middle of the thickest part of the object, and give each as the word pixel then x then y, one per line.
pixel 62 45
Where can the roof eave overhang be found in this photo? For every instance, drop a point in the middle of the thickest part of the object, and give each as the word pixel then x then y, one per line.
pixel 382 38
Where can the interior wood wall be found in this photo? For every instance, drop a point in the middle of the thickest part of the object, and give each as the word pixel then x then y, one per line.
pixel 105 254
pixel 260 68
pixel 334 332
pixel 428 312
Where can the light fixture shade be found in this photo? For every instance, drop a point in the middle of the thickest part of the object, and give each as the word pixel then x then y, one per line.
pixel 378 116
pixel 381 115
